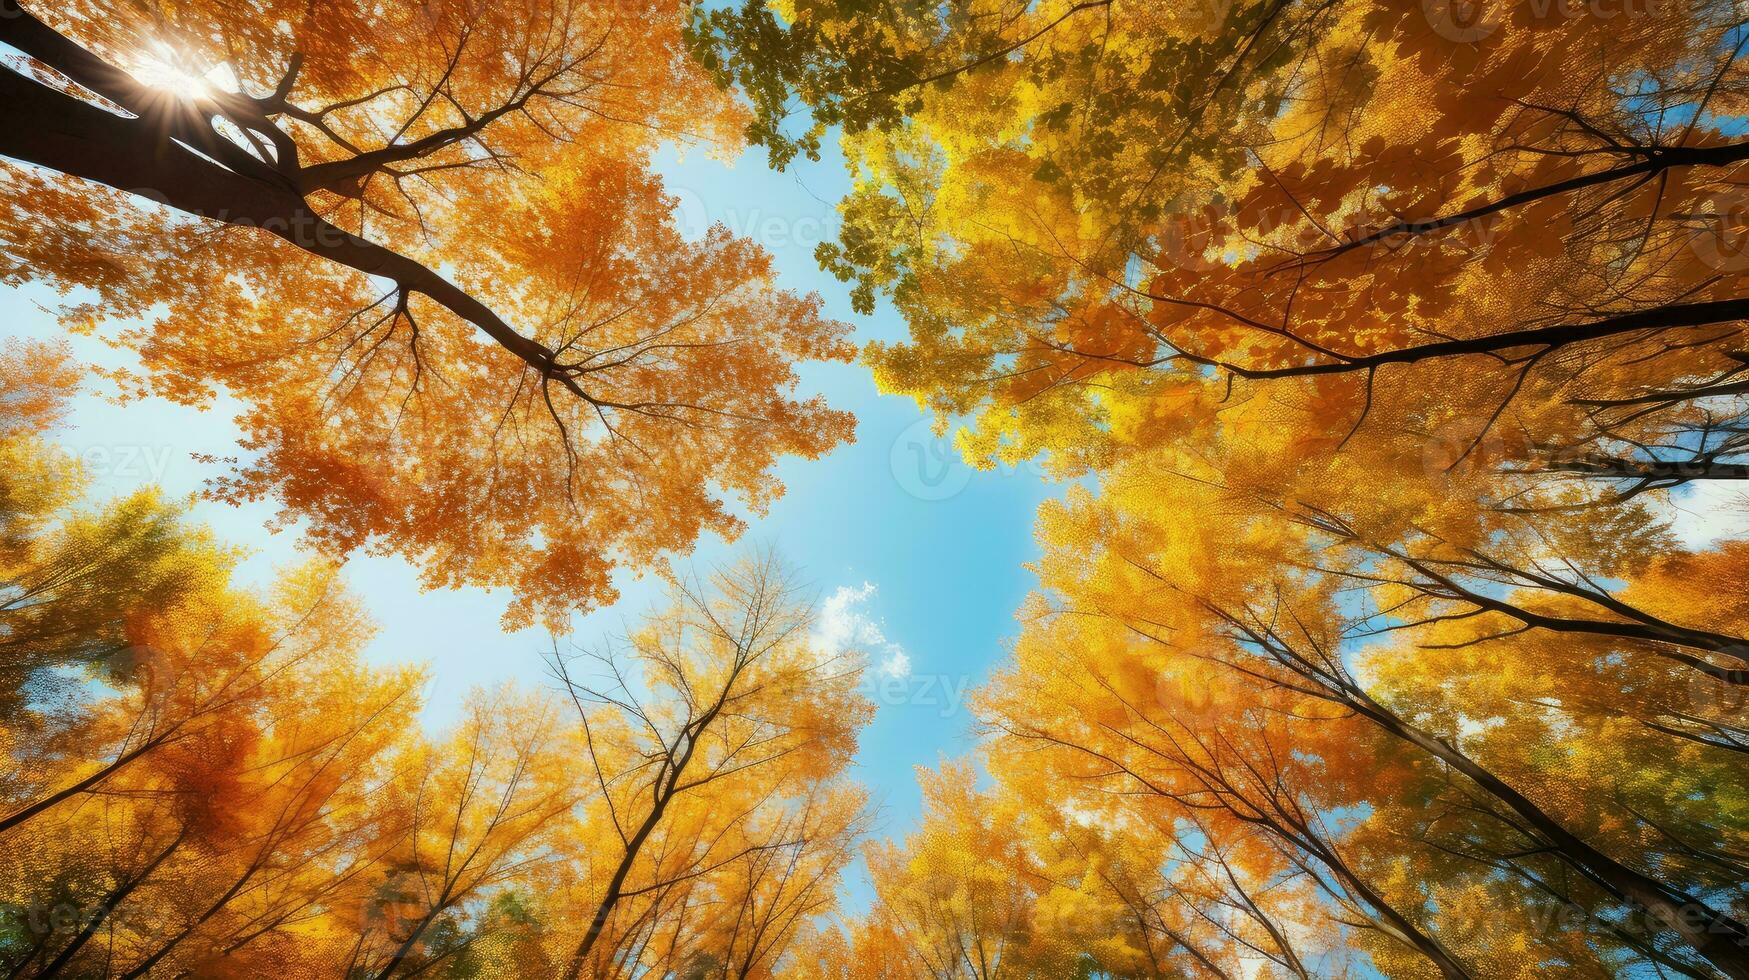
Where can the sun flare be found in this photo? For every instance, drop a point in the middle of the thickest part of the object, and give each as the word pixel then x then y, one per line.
pixel 163 74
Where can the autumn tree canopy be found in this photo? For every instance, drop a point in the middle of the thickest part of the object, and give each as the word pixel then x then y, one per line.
pixel 1391 337
pixel 210 780
pixel 425 249
pixel 1092 214
pixel 1384 352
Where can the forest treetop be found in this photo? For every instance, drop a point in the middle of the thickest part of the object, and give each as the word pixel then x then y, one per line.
pixel 423 245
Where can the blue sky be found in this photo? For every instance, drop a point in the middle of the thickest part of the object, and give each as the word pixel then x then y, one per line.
pixel 913 553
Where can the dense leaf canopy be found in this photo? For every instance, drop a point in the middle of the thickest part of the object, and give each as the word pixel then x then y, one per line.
pixel 425 249
pixel 1379 346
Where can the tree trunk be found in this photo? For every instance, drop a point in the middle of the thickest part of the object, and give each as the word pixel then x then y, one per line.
pixel 110 903
pixel 48 128
pixel 1718 938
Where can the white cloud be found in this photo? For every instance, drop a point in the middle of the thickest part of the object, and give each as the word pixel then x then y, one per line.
pixel 897 662
pixel 1707 512
pixel 841 626
pixel 844 625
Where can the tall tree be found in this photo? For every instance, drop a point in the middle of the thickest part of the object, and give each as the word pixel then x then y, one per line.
pixel 425 249
pixel 1387 335
pixel 712 745
pixel 205 779
pixel 1230 665
pixel 1525 227
pixel 477 812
